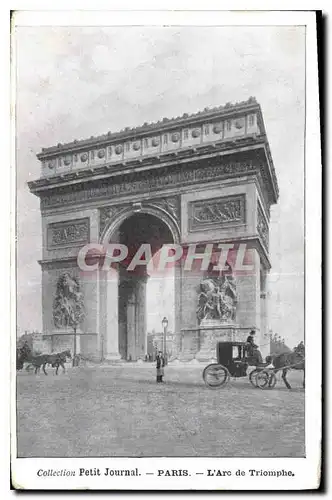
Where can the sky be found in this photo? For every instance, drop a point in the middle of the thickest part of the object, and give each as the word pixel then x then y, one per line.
pixel 75 82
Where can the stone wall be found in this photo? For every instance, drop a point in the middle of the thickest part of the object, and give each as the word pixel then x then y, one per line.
pixel 62 343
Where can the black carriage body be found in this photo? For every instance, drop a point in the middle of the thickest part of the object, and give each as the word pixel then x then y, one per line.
pixel 233 355
pixel 233 360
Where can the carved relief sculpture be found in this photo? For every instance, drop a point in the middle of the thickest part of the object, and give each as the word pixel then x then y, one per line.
pixel 217 299
pixel 106 214
pixel 68 306
pixel 210 212
pixel 262 227
pixel 171 205
pixel 68 233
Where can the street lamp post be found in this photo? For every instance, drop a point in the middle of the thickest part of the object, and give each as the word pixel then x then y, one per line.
pixel 164 324
pixel 74 361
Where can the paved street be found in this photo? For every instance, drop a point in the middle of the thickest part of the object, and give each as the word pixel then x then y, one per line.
pixel 120 411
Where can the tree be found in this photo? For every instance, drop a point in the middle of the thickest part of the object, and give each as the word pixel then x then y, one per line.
pixel 68 307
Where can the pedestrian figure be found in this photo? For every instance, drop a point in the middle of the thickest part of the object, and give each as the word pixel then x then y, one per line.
pixel 160 366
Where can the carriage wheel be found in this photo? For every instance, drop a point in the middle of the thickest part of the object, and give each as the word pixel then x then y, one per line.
pixel 252 377
pixel 215 376
pixel 265 379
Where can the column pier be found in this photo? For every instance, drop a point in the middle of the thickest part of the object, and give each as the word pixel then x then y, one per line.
pixel 112 316
pixel 141 317
pixel 136 318
pixel 178 308
pixel 265 345
pixel 131 322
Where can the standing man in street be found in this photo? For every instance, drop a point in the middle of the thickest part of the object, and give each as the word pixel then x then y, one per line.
pixel 160 366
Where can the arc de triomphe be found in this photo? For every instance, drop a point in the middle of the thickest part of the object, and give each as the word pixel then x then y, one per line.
pixel 201 179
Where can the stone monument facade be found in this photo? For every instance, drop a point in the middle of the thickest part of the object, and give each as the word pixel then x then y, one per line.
pixel 205 179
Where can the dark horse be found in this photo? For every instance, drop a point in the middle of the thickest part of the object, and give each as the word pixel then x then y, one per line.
pixel 59 359
pixel 294 360
pixel 38 362
pixel 55 360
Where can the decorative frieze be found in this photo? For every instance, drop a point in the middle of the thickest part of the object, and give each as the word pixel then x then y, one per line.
pixel 262 226
pixel 64 234
pixel 145 182
pixel 129 148
pixel 240 123
pixel 249 106
pixel 216 212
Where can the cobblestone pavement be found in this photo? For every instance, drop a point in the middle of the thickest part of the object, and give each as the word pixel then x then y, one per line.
pixel 121 411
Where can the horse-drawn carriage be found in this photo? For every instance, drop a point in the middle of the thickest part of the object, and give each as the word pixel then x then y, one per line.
pixel 233 361
pixel 24 355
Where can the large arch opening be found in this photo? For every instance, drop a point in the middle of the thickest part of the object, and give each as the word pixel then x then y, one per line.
pixel 145 294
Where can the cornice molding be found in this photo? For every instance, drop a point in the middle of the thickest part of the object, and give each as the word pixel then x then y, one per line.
pixel 58 263
pixel 191 155
pixel 152 161
pixel 229 109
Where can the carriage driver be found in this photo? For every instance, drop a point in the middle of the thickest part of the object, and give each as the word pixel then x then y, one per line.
pixel 253 350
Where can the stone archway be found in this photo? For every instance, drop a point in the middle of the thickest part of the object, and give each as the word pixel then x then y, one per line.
pixel 118 214
pixel 122 291
pixel 209 177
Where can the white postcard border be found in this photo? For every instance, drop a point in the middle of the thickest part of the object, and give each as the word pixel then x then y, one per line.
pixel 306 470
